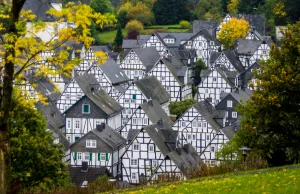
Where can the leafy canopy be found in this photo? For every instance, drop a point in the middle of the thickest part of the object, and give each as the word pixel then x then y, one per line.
pixel 179 107
pixel 271 119
pixel 231 31
pixel 102 6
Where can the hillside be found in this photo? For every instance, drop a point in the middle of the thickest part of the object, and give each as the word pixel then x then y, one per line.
pixel 273 180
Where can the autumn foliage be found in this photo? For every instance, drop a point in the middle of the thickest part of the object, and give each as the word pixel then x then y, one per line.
pixel 231 31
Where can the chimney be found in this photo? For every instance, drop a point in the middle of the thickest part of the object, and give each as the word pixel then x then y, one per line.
pixel 103 125
pixel 160 123
pixel 137 39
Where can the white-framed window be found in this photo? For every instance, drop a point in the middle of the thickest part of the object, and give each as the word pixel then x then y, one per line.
pixel 136 73
pixel 141 72
pixel 97 122
pixel 86 109
pixel 68 96
pixel 68 124
pixel 124 111
pixel 151 148
pixel 212 163
pixel 207 137
pixel 145 121
pixel 136 147
pixel 129 111
pixel 212 148
pixel 189 136
pixel 167 88
pixel 194 124
pixel 199 124
pixel 229 103
pixel 204 125
pixel 214 79
pixel 234 114
pixel 134 175
pixel 79 155
pixel 86 156
pixel 78 96
pixel 162 78
pixel 200 43
pixel 194 137
pixel 183 124
pixel 102 157
pixel 206 91
pixel 133 162
pixel 134 121
pixel 211 43
pixel 91 143
pixel 189 61
pixel 222 90
pixel 264 52
pixel 77 124
pixel 154 163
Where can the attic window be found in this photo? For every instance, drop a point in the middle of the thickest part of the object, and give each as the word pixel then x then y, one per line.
pixel 91 143
pixel 86 109
pixel 189 43
pixel 229 103
pixel 211 43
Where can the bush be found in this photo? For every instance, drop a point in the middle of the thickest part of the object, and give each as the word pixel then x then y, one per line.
pixel 184 24
pixel 133 34
pixel 134 25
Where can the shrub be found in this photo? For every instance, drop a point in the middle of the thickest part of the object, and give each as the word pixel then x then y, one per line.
pixel 134 25
pixel 133 34
pixel 184 24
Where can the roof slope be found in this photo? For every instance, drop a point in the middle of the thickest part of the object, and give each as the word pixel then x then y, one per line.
pixel 87 82
pixel 208 25
pixel 113 72
pixel 148 56
pixel 39 8
pixel 78 176
pixel 247 47
pixel 153 89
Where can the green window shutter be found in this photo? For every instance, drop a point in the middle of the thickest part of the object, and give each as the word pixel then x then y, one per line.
pixel 75 155
pixel 98 156
pixel 106 156
pixel 134 96
pixel 76 138
pixel 86 108
pixel 91 156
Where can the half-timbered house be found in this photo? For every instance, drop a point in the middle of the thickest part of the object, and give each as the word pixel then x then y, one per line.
pixel 100 147
pixel 247 76
pixel 149 144
pixel 201 126
pixel 249 51
pixel 156 41
pixel 214 83
pixel 230 101
pixel 139 62
pixel 140 91
pixel 226 59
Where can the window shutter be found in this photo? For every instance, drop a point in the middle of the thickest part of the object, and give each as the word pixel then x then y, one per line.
pixel 91 156
pixel 98 156
pixel 75 155
pixel 134 96
pixel 106 156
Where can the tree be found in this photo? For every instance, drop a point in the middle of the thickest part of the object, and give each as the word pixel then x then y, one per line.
pixel 200 65
pixel 119 38
pixel 209 10
pixel 24 52
pixel 185 24
pixel 102 6
pixel 232 7
pixel 141 13
pixel 179 107
pixel 134 25
pixel 170 12
pixel 35 159
pixel 133 34
pixel 271 118
pixel 231 31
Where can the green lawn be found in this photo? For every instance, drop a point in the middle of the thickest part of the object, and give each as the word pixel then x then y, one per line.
pixel 271 181
pixel 108 37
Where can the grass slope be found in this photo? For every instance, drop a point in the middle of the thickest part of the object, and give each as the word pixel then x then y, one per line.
pixel 268 181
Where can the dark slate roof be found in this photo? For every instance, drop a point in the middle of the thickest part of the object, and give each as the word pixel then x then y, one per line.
pixel 153 89
pixel 55 121
pixel 87 82
pixel 77 176
pixel 113 72
pixel 214 56
pixel 177 36
pixel 257 34
pixel 109 105
pixel 183 54
pixel 205 73
pixel 208 25
pixel 129 43
pixel 181 70
pixel 39 8
pixel 148 56
pixel 44 86
pixel 247 47
pixel 241 95
pixel 111 137
pixel 256 21
pixel 132 133
pixel 230 130
pixel 172 65
pixel 155 112
pixel 207 111
pixel 120 88
pixel 230 55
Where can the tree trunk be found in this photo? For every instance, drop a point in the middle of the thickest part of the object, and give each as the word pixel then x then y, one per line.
pixel 5 98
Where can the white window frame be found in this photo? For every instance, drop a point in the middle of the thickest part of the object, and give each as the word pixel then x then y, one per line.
pixel 68 96
pixel 136 147
pixel 68 124
pixel 83 109
pixel 91 143
pixel 77 121
pixel 79 156
pixel 199 124
pixel 102 156
pixel 134 175
pixel 229 103
pixel 86 156
pixel 134 121
pixel 151 148
pixel 183 124
pixel 214 79
pixel 194 124
pixel 234 114
pixel 212 148
pixel 194 137
pixel 133 162
pixel 204 125
pixel 154 163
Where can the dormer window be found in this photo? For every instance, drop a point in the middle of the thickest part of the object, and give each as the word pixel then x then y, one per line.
pixel 229 103
pixel 169 40
pixel 90 143
pixel 211 43
pixel 189 43
pixel 86 109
